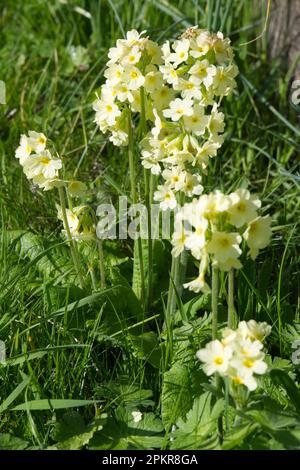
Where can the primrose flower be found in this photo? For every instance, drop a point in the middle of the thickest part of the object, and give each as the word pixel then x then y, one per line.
pixel 243 207
pixel 166 197
pixel 258 234
pixel 225 245
pixel 106 110
pixel 42 164
pixel 198 285
pixel 179 108
pixel 216 357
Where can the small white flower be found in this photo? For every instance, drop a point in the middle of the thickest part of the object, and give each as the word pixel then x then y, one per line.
pixel 243 207
pixel 24 149
pixel 42 164
pixel 114 74
pixel 133 78
pixel 198 285
pixel 106 111
pixel 178 108
pixel 215 356
pixel 197 122
pixel 169 74
pixel 258 234
pixel 37 141
pixel 181 52
pixel 132 57
pixel 137 416
pixel 225 246
pixel 166 197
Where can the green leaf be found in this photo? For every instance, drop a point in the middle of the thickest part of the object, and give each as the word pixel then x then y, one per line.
pixel 281 378
pixel 124 393
pixel 53 404
pixel 177 396
pixel 146 346
pixel 237 436
pixel 49 258
pixel 72 433
pixel 9 442
pixel 199 429
pixel 124 433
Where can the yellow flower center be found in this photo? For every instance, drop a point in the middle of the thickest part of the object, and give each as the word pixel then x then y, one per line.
pixel 241 207
pixel 248 363
pixel 134 74
pixel 118 74
pixel 224 242
pixel 45 160
pixel 218 361
pixel 179 111
pixel 108 108
pixel 41 140
pixel 131 58
pixel 237 380
pixel 181 55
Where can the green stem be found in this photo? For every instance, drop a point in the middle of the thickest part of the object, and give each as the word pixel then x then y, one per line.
pixel 171 288
pixel 101 264
pixel 214 311
pixel 148 201
pixel 149 236
pixel 214 301
pixel 134 201
pixel 93 278
pixel 73 247
pixel 231 319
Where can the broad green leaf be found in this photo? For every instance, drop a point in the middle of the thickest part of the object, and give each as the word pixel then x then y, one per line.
pixel 124 433
pixel 200 425
pixel 9 442
pixel 236 437
pixel 177 394
pixel 281 378
pixel 72 433
pixel 146 346
pixel 50 259
pixel 124 393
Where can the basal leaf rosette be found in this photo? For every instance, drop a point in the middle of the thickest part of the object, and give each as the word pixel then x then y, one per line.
pixel 213 228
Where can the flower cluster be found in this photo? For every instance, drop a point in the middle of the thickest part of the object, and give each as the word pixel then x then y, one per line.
pixel 132 64
pixel 38 163
pixel 213 226
pixel 239 355
pixel 198 70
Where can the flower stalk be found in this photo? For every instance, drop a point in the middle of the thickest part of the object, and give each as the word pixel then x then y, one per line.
pixel 231 319
pixel 134 201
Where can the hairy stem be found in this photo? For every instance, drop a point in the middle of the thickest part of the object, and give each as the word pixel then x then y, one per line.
pixel 134 201
pixel 231 319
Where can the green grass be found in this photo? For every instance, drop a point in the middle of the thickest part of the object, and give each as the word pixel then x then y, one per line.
pixel 60 349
